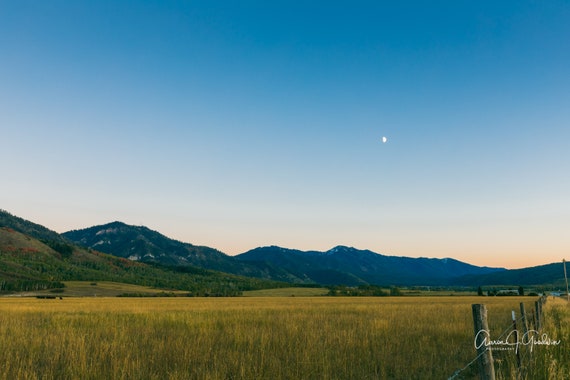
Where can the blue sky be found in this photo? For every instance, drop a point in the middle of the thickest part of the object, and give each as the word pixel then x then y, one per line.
pixel 250 123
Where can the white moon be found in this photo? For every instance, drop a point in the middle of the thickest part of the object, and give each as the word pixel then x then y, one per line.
pixel 384 139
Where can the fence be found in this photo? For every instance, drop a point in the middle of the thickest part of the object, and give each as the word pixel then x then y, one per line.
pixel 515 338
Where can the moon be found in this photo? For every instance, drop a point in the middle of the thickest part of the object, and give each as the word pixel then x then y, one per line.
pixel 384 139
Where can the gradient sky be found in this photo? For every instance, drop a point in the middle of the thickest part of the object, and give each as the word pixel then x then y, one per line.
pixel 237 124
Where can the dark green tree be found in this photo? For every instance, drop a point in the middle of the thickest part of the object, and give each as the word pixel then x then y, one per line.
pixel 394 291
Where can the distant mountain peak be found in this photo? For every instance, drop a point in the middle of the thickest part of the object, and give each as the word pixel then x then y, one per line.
pixel 140 243
pixel 340 248
pixel 346 250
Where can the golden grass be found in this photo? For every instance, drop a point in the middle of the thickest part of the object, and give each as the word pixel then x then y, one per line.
pixel 287 292
pixel 552 361
pixel 242 338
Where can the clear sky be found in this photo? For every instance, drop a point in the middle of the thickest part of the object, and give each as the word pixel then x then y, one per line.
pixel 237 124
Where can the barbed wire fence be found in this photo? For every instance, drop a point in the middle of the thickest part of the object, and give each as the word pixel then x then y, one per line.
pixel 522 356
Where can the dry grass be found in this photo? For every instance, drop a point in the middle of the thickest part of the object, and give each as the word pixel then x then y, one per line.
pixel 552 362
pixel 242 338
pixel 287 292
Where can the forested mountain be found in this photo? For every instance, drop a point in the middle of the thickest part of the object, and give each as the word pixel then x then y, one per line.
pixel 357 267
pixel 139 255
pixel 139 243
pixel 549 274
pixel 340 265
pixel 33 257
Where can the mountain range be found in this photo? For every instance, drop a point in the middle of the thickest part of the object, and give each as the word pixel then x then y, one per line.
pixel 347 265
pixel 339 265
pixel 82 253
pixel 33 258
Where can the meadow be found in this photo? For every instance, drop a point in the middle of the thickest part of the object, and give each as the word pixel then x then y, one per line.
pixel 552 362
pixel 255 337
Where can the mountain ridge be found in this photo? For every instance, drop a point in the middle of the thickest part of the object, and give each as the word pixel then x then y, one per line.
pixel 339 265
pixel 140 243
pixel 32 257
pixel 366 267
pixel 342 265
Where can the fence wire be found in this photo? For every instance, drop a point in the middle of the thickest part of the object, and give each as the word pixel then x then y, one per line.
pixel 506 331
pixel 458 372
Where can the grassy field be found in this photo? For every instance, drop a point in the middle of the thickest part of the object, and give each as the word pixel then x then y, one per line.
pixel 252 337
pixel 552 362
pixel 287 292
pixel 100 289
pixel 110 289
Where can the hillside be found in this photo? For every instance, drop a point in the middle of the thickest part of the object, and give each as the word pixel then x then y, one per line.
pixel 549 274
pixel 29 228
pixel 32 257
pixel 139 255
pixel 350 266
pixel 338 266
pixel 141 244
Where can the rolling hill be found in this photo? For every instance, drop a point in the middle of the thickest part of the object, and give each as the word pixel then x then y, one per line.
pixel 33 257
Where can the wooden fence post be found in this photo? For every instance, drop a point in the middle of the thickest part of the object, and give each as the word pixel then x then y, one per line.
pixel 566 278
pixel 516 332
pixel 523 320
pixel 486 368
